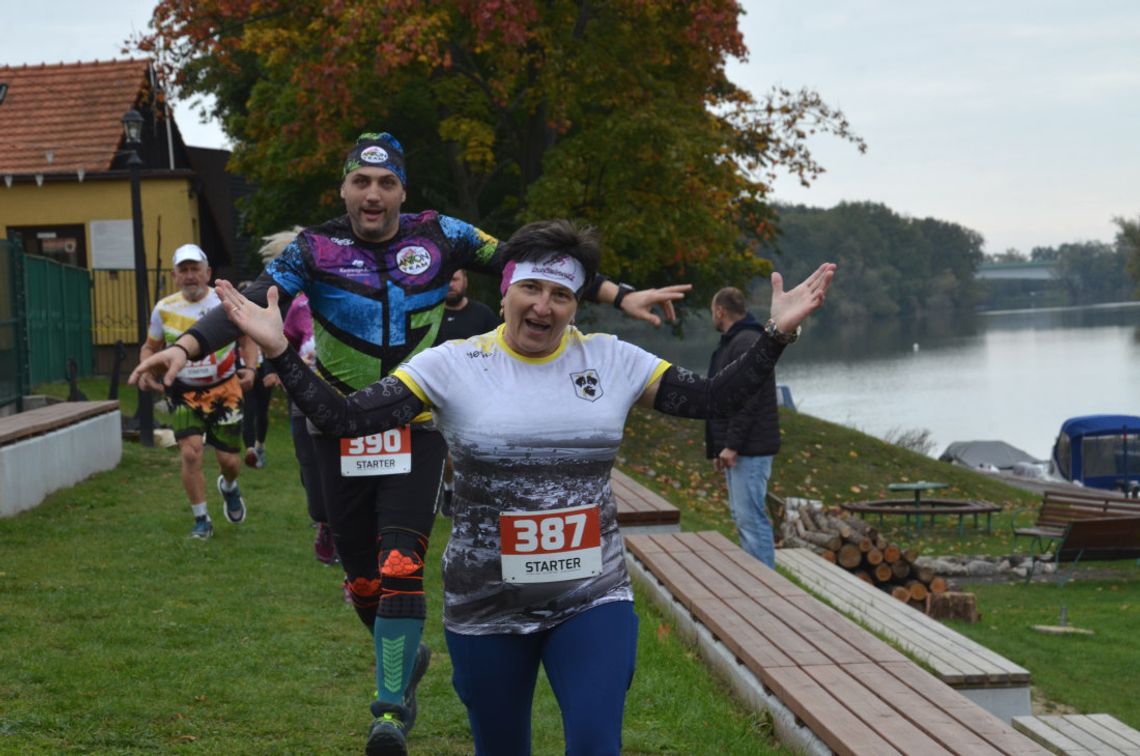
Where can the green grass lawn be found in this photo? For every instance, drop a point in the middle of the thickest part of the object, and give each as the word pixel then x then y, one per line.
pixel 118 634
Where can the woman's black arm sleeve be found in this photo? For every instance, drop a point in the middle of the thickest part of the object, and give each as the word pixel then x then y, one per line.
pixel 685 394
pixel 385 404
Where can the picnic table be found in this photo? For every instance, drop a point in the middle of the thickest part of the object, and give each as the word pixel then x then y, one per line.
pixel 918 487
pixel 920 507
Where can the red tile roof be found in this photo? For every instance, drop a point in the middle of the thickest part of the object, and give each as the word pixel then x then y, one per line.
pixel 73 110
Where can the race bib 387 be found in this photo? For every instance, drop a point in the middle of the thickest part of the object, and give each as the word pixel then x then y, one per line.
pixel 552 545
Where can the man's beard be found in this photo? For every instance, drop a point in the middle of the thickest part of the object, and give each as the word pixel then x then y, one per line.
pixel 454 298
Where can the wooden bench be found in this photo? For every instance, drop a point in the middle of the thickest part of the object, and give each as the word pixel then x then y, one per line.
pixel 988 679
pixel 51 417
pixel 53 447
pixel 640 510
pixel 928 508
pixel 1059 508
pixel 1096 539
pixel 1081 734
pixel 831 686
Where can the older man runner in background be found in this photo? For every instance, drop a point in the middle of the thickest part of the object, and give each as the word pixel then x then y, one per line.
pixel 377 280
pixel 205 399
pixel 743 445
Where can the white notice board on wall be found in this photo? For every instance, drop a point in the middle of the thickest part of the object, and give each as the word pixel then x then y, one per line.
pixel 112 244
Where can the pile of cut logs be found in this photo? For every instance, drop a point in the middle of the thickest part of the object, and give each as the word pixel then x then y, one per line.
pixel 853 544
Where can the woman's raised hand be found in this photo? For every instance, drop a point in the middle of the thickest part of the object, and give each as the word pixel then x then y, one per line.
pixel 790 308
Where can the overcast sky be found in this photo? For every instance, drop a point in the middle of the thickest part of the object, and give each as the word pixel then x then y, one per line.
pixel 1019 119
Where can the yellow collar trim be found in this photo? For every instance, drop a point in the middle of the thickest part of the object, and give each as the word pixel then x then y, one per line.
pixel 533 360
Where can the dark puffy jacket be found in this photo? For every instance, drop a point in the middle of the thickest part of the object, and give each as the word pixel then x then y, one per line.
pixel 755 430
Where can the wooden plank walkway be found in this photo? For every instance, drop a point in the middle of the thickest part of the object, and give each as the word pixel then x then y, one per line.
pixel 857 694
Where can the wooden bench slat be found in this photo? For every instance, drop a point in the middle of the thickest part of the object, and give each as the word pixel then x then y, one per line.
pixel 1101 538
pixel 955 658
pixel 931 719
pixel 642 544
pixel 638 506
pixel 825 715
pixel 1112 723
pixel 864 642
pixel 985 725
pixel 51 417
pixel 870 707
pixel 791 640
pixel 679 580
pixel 739 635
pixel 1088 733
pixel 854 692
pixel 1047 736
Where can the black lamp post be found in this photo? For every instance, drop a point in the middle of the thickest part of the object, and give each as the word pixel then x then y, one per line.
pixel 132 133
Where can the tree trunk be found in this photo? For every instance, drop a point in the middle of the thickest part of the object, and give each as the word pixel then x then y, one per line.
pixel 849 556
pixel 953 605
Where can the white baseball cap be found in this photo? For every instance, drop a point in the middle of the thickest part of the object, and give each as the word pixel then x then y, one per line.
pixel 189 253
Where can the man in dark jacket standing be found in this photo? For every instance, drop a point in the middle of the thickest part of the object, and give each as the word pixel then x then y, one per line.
pixel 743 445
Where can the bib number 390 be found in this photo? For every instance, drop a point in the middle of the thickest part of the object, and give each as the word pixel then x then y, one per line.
pixel 387 453
pixel 557 544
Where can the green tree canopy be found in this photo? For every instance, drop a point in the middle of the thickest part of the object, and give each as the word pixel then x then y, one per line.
pixel 614 112
pixel 889 265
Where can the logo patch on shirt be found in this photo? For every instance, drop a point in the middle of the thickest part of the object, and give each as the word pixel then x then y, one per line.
pixel 414 262
pixel 587 385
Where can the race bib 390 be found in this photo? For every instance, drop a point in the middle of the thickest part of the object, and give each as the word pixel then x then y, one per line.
pixel 387 453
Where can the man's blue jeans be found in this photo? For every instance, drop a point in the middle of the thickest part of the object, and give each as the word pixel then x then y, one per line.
pixel 747 488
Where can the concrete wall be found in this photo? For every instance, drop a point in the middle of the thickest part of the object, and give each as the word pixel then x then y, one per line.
pixel 32 468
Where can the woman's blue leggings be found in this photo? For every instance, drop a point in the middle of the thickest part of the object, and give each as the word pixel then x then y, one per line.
pixel 589 660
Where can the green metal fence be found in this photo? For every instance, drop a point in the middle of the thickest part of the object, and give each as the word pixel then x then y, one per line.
pixel 58 308
pixel 13 334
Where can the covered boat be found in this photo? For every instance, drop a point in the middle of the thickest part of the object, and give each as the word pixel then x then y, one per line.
pixel 1100 451
pixel 986 455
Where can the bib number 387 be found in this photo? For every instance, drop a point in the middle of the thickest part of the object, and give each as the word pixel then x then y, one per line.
pixel 387 453
pixel 556 544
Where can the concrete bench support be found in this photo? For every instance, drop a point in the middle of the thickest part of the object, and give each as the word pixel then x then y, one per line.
pixel 54 447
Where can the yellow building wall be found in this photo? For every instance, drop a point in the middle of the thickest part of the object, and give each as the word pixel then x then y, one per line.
pixel 170 219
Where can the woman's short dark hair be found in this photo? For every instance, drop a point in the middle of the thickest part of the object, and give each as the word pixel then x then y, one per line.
pixel 538 239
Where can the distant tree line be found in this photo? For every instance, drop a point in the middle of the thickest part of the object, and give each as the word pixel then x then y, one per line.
pixel 1086 272
pixel 890 265
pixel 893 266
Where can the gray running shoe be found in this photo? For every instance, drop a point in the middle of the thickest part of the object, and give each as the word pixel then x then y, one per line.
pixel 202 529
pixel 386 736
pixel 235 504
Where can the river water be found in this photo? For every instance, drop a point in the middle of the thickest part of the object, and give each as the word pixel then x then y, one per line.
pixel 1008 376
